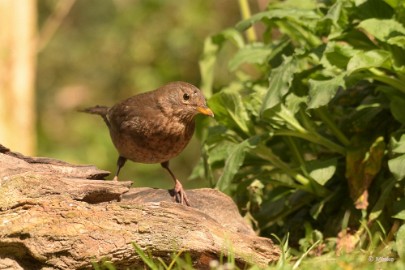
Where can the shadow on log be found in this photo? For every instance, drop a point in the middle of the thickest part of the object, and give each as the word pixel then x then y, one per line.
pixel 55 215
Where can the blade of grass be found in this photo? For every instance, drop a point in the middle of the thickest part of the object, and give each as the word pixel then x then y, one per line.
pixel 298 262
pixel 285 251
pixel 148 261
pixel 175 259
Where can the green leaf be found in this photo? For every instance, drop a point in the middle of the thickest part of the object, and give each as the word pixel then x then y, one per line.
pixel 220 152
pixel 397 106
pixel 322 170
pixel 234 162
pixel 389 31
pixel 395 3
pixel 382 200
pixel 290 13
pixel 398 147
pixel 398 41
pixel 230 110
pixel 396 166
pixel 280 80
pixel 400 242
pixel 399 208
pixel 334 21
pixel 252 54
pixel 400 215
pixel 397 100
pixel 334 12
pixel 337 54
pixel 368 59
pixel 293 102
pixel 295 4
pixel 280 115
pixel 373 9
pixel 212 46
pixel 321 92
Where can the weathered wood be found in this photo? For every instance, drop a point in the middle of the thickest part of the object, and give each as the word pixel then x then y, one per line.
pixel 52 216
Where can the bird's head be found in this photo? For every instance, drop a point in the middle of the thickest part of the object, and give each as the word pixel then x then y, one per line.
pixel 186 100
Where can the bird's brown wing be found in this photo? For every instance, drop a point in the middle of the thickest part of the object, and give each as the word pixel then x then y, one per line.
pixel 132 115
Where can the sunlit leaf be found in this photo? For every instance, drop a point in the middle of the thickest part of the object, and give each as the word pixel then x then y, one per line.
pixel 400 242
pixel 279 83
pixel 390 31
pixel 398 146
pixel 396 166
pixel 397 106
pixel 234 162
pixel 398 41
pixel 301 32
pixel 221 151
pixel 400 215
pixel 374 9
pixel 337 54
pixel 229 109
pixel 252 54
pixel 321 92
pixel 212 46
pixel 369 59
pixel 321 170
pixel 393 3
pixel 334 12
pixel 295 4
pixel 335 20
pixel 298 14
pixel 293 102
pixel 280 115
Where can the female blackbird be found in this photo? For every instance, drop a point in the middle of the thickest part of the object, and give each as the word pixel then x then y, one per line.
pixel 155 126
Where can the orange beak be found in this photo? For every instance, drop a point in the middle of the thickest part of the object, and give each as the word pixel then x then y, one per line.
pixel 205 110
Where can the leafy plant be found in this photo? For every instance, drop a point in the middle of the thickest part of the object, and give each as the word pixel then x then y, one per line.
pixel 311 118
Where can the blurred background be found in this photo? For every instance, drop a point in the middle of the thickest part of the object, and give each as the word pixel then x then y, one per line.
pixel 58 56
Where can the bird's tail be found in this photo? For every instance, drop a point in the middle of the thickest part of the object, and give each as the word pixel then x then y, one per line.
pixel 100 110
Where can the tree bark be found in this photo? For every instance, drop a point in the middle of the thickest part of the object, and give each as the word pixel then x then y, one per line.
pixel 55 215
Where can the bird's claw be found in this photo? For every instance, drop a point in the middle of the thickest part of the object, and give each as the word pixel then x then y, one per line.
pixel 179 194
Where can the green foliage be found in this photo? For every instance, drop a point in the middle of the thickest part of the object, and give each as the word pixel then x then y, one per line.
pixel 311 119
pixel 181 261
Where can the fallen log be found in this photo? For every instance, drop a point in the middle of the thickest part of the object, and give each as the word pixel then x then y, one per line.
pixel 55 215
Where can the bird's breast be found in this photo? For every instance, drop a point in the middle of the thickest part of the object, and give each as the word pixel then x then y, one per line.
pixel 153 141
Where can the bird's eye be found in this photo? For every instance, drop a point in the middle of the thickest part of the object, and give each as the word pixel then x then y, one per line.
pixel 186 96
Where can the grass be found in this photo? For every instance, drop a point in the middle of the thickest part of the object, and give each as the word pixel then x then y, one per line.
pixel 290 259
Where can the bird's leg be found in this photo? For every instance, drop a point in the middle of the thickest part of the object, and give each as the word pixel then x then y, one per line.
pixel 179 193
pixel 120 163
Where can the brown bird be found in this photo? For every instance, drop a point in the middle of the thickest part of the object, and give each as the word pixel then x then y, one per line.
pixel 155 126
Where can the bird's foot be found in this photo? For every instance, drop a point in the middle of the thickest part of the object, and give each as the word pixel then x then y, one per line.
pixel 115 178
pixel 179 194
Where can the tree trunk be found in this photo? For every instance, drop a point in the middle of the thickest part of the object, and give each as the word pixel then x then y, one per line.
pixel 17 74
pixel 53 215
